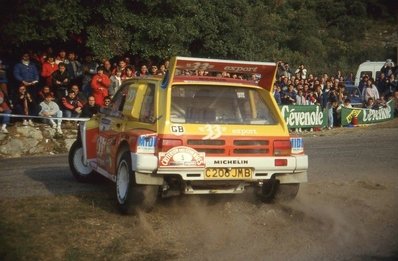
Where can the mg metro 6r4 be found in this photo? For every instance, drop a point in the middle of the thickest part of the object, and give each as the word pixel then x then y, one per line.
pixel 192 134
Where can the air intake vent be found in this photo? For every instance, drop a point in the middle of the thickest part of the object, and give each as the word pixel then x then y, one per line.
pixel 251 142
pixel 207 142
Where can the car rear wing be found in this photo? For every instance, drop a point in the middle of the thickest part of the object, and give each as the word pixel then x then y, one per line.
pixel 264 71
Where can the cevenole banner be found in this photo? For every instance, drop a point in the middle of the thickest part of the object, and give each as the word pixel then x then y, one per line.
pixel 304 116
pixel 368 116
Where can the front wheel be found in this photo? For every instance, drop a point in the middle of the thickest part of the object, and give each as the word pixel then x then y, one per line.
pixel 81 171
pixel 131 196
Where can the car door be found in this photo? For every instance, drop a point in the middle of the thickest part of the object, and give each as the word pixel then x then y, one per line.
pixel 112 125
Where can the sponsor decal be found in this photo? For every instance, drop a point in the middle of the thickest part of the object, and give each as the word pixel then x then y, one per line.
pixel 181 157
pixel 212 131
pixel 377 115
pixel 146 144
pixel 177 130
pixel 244 132
pixel 368 116
pixel 302 116
pixel 240 69
pixel 230 162
pixel 297 145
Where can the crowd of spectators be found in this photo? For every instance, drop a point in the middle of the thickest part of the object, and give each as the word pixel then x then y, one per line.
pixel 299 87
pixel 63 85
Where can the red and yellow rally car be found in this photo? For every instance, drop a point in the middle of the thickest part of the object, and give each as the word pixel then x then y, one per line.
pixel 193 134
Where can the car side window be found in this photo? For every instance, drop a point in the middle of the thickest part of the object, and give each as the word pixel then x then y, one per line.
pixel 119 99
pixel 147 112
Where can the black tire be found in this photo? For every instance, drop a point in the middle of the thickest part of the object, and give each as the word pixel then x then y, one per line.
pixel 272 191
pixel 81 172
pixel 268 190
pixel 286 192
pixel 131 196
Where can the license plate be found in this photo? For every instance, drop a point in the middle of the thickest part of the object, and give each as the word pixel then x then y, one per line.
pixel 228 173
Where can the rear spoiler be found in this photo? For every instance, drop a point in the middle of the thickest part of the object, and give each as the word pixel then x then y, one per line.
pixel 266 71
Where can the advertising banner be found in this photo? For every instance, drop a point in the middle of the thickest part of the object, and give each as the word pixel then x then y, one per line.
pixel 304 116
pixel 367 116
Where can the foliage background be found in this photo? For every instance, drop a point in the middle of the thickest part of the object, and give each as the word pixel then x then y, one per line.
pixel 325 35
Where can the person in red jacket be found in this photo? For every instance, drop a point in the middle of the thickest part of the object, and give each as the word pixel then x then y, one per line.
pixel 100 85
pixel 49 66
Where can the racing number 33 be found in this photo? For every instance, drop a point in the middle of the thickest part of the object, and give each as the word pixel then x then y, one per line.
pixel 228 173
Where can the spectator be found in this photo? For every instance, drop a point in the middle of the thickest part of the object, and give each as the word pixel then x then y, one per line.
pixel 60 82
pixel 79 95
pixel 388 68
pixel 129 73
pixel 143 71
pixel 371 104
pixel 107 68
pixel 301 72
pixel 3 77
pixel 89 71
pixel 300 98
pixel 381 84
pixel 162 70
pixel 363 82
pixel 107 102
pixel 331 106
pixel 289 97
pixel 277 93
pixel 43 92
pixel 24 105
pixel 74 69
pixel 26 74
pixel 370 90
pixel 154 70
pixel 6 109
pixel 61 57
pixel 395 97
pixel 116 82
pixel 345 104
pixel 122 67
pixel 99 86
pixel 50 109
pixel 49 66
pixel 72 107
pixel 90 109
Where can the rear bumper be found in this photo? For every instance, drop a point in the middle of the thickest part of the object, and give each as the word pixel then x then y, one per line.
pixel 264 168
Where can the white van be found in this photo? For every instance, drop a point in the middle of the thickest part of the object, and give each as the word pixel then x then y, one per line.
pixel 372 69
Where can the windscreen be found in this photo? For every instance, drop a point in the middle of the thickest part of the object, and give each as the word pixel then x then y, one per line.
pixel 219 105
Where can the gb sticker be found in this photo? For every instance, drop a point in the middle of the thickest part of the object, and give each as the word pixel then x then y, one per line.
pixel 177 130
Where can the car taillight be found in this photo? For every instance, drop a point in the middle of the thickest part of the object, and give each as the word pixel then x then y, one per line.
pixel 282 147
pixel 166 144
pixel 280 162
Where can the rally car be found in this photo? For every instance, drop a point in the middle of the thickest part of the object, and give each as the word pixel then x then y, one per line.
pixel 193 134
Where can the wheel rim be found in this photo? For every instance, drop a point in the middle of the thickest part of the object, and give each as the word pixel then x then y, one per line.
pixel 78 162
pixel 122 181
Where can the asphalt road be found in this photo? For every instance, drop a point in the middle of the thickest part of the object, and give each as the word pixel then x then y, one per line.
pixel 347 211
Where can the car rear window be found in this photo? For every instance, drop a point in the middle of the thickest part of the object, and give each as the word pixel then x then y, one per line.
pixel 219 105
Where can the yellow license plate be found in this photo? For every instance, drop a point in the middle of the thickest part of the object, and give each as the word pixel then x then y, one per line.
pixel 228 173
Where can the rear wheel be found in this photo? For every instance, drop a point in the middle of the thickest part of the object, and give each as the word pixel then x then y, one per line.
pixel 273 191
pixel 131 196
pixel 286 192
pixel 81 171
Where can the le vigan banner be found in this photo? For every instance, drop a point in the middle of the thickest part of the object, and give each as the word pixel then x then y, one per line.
pixel 367 116
pixel 304 116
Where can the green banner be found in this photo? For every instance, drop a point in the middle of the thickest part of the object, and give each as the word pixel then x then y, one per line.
pixel 367 116
pixel 304 116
